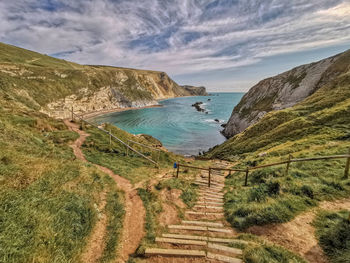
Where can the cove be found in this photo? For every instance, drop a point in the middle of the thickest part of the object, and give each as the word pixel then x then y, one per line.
pixel 177 124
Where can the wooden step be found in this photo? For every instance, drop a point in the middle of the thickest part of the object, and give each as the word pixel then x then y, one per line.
pixel 218 194
pixel 211 198
pixel 220 230
pixel 208 207
pixel 191 237
pixel 200 228
pixel 223 258
pixel 204 213
pixel 184 227
pixel 174 252
pixel 204 238
pixel 209 203
pixel 202 223
pixel 181 241
pixel 226 240
pixel 232 250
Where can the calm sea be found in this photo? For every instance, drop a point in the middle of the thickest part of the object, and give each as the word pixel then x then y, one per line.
pixel 177 125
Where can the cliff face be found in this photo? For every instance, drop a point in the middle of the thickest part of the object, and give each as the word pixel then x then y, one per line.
pixel 196 91
pixel 280 92
pixel 53 86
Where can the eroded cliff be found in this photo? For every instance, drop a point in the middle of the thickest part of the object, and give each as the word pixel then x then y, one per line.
pixel 280 92
pixel 54 86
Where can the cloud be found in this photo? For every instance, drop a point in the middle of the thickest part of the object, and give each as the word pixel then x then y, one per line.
pixel 180 37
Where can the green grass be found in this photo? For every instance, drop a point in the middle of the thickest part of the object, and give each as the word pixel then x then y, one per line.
pixel 317 126
pixel 153 207
pixel 47 197
pixel 333 233
pixel 273 197
pixel 115 214
pixel 97 149
pixel 260 251
pixel 189 193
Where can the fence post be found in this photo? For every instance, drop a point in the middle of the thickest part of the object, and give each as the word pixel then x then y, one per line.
pixel 287 168
pixel 110 140
pixel 72 114
pixel 209 177
pixel 177 171
pixel 347 166
pixel 246 177
pixel 127 148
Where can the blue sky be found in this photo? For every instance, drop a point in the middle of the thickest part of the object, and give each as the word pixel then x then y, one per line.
pixel 226 45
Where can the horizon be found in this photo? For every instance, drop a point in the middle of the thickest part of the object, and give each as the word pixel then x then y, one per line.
pixel 257 39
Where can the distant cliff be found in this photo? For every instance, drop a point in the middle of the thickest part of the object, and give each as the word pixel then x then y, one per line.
pixel 53 86
pixel 196 91
pixel 280 92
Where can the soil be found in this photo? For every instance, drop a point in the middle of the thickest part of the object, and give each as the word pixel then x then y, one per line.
pixel 134 220
pixel 171 201
pixel 298 235
pixel 96 244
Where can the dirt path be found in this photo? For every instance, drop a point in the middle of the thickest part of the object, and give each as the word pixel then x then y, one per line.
pixel 96 245
pixel 134 220
pixel 298 235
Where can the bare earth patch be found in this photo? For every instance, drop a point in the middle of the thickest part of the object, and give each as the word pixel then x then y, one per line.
pixel 298 235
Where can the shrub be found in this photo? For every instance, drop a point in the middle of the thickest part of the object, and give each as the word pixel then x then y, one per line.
pixel 333 232
pixel 307 190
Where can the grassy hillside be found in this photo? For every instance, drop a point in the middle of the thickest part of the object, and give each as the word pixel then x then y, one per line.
pixel 37 80
pixel 318 126
pixel 47 197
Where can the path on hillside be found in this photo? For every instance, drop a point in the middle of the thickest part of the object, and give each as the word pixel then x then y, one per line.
pixel 298 235
pixel 133 227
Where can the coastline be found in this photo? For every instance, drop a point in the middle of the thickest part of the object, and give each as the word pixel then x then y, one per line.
pixel 102 112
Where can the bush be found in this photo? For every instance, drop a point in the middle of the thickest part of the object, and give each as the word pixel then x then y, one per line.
pixel 307 190
pixel 333 232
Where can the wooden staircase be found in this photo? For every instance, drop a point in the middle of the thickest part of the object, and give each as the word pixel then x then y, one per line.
pixel 204 235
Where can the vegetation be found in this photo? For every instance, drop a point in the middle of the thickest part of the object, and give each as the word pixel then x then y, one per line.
pixel 115 156
pixel 318 126
pixel 189 190
pixel 46 196
pixel 115 214
pixel 259 251
pixel 36 80
pixel 333 232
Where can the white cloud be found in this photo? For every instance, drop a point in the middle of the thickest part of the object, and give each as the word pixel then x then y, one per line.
pixel 180 37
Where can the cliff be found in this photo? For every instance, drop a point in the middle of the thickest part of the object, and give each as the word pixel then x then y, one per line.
pixel 196 91
pixel 53 86
pixel 282 91
pixel 318 123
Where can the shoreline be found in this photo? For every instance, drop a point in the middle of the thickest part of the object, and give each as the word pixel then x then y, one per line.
pixel 102 112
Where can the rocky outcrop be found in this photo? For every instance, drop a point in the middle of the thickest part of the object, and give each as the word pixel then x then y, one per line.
pixel 196 91
pixel 279 92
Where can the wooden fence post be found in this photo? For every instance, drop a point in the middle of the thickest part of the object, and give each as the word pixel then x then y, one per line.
pixel 72 114
pixel 110 140
pixel 246 177
pixel 287 168
pixel 177 171
pixel 347 166
pixel 127 149
pixel 209 177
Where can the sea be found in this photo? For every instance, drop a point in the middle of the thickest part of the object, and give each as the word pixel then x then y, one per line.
pixel 179 126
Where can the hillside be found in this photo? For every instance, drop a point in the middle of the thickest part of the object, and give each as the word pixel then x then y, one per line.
pixel 53 86
pixel 283 91
pixel 322 116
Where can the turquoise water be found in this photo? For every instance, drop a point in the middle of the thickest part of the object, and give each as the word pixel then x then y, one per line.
pixel 177 125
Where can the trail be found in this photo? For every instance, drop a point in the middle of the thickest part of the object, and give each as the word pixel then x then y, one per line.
pixel 298 235
pixel 134 220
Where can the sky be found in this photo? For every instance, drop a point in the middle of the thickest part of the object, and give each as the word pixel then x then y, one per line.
pixel 225 45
